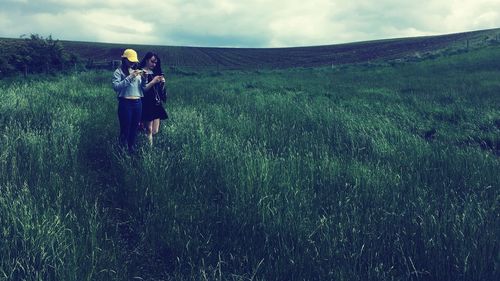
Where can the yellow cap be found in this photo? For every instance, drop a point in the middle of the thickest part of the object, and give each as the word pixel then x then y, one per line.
pixel 131 55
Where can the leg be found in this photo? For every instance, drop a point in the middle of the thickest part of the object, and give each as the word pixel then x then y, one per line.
pixel 124 117
pixel 149 128
pixel 136 114
pixel 156 126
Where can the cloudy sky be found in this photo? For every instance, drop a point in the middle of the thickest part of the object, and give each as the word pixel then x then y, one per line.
pixel 243 23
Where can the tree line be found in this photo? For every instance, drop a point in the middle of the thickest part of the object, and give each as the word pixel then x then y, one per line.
pixel 34 54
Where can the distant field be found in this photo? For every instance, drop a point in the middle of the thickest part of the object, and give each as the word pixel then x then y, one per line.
pixel 200 58
pixel 356 172
pixel 248 58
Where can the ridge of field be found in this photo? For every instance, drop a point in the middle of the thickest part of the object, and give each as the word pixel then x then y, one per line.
pixel 242 58
pixel 254 58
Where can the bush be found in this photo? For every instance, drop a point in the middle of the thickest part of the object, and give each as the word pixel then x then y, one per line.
pixel 34 54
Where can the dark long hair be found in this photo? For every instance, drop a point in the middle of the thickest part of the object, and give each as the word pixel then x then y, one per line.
pixel 157 69
pixel 125 65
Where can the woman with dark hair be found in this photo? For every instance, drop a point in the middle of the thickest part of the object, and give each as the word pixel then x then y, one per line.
pixel 154 95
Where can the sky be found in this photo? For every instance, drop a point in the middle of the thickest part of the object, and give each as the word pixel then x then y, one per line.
pixel 243 23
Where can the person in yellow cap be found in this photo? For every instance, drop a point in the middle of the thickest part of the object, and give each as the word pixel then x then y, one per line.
pixel 129 86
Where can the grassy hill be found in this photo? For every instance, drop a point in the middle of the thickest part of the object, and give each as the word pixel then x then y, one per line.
pixel 251 58
pixel 241 58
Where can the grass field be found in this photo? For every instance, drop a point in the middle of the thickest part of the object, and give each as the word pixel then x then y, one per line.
pixel 345 173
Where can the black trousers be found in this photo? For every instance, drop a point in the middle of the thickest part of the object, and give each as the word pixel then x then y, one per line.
pixel 129 114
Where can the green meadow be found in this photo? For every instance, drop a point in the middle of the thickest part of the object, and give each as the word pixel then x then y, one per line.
pixel 354 172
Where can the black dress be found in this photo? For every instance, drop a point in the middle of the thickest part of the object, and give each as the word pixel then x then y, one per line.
pixel 152 102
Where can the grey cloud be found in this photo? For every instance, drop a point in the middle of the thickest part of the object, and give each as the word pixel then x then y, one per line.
pixel 244 23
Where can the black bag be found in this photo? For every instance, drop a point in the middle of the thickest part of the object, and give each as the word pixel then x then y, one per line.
pixel 163 92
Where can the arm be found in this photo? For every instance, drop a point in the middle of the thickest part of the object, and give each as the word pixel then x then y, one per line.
pixel 119 82
pixel 151 84
pixel 146 87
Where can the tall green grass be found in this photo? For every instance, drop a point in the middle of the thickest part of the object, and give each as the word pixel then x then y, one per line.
pixel 51 211
pixel 300 174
